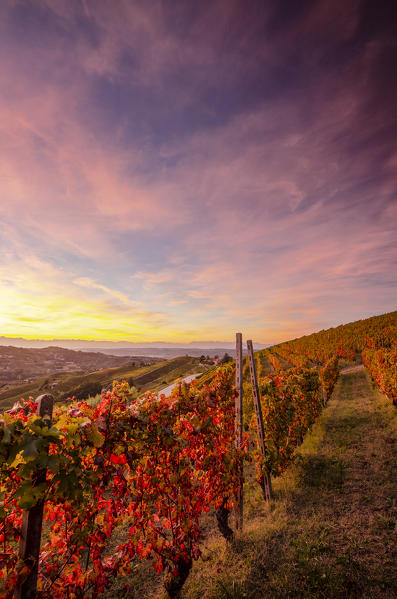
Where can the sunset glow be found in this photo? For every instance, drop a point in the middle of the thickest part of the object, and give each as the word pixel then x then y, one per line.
pixel 179 171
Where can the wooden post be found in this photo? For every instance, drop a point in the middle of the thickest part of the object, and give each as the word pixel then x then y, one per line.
pixel 29 545
pixel 266 483
pixel 324 397
pixel 238 410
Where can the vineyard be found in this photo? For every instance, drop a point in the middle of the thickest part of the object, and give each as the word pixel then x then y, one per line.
pixel 130 479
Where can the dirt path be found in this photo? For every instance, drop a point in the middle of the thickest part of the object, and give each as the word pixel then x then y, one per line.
pixel 352 369
pixel 331 530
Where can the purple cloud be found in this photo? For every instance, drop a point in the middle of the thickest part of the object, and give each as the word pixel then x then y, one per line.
pixel 226 165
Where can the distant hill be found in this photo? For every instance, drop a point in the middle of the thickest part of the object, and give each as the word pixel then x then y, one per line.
pixel 62 385
pixel 19 364
pixel 173 352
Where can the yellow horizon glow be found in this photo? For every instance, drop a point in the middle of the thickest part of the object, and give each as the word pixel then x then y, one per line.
pixel 40 301
pixel 51 318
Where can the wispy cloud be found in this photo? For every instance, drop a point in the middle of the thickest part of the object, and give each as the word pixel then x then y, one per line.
pixel 39 300
pixel 196 168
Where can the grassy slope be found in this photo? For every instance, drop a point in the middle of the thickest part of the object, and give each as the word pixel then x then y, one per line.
pixel 264 365
pixel 331 529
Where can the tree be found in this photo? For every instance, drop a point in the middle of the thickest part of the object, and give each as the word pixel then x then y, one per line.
pixel 226 358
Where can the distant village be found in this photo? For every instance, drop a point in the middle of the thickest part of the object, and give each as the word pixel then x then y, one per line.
pixel 216 360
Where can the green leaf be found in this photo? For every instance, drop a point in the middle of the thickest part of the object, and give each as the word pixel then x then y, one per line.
pixel 53 463
pixel 6 435
pixel 27 498
pixel 29 495
pixel 51 432
pixel 95 437
pixel 32 449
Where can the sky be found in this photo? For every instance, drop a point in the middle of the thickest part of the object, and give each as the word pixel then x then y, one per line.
pixel 183 170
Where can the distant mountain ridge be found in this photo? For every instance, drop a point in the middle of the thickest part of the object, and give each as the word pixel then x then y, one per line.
pixel 89 345
pixel 173 352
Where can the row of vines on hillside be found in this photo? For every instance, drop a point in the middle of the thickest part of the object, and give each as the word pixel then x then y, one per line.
pixel 382 366
pixel 130 478
pixel 291 401
pixel 375 339
pixel 149 466
pixel 345 341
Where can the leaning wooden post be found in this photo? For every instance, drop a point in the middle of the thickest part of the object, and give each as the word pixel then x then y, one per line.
pixel 238 424
pixel 266 483
pixel 29 545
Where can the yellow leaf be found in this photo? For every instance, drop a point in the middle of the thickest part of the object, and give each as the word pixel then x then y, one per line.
pixel 95 437
pixel 18 460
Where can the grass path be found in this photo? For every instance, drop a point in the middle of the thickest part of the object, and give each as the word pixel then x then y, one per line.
pixel 331 530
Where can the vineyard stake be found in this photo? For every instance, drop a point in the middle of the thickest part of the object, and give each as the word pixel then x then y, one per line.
pixel 323 396
pixel 29 545
pixel 265 483
pixel 238 423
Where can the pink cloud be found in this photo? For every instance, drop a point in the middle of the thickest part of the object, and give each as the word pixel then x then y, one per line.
pixel 279 212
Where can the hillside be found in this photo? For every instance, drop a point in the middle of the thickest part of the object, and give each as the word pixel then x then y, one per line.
pixel 18 364
pixel 82 385
pixel 346 341
pixel 141 478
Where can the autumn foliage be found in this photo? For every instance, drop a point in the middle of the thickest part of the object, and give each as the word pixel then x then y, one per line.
pixel 345 341
pixel 291 401
pixel 129 479
pixel 329 375
pixel 382 366
pixel 150 466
